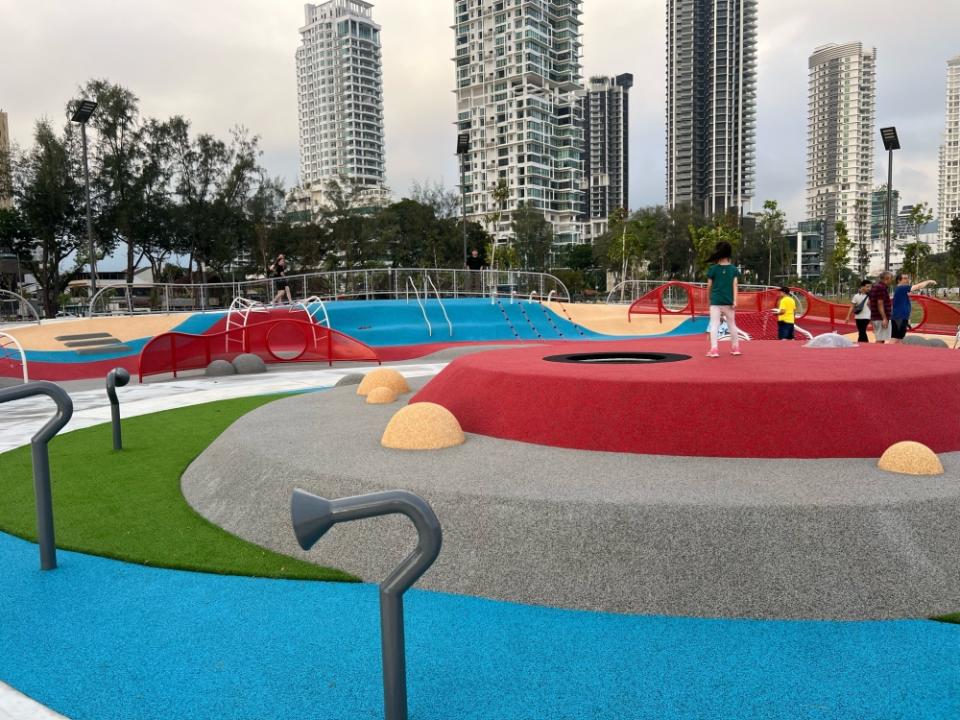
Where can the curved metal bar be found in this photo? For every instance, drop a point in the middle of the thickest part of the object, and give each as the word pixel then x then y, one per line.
pixel 23 302
pixel 19 348
pixel 41 460
pixel 313 516
pixel 427 280
pixel 118 377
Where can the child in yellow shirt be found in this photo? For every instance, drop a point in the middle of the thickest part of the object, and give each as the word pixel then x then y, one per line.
pixel 786 314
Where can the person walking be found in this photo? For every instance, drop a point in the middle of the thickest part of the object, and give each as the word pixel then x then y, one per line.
pixel 786 314
pixel 279 272
pixel 860 309
pixel 722 291
pixel 902 307
pixel 881 306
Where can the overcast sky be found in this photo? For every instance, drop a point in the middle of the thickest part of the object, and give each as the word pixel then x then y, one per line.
pixel 224 63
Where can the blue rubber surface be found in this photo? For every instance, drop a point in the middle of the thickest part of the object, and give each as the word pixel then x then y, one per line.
pixel 391 323
pixel 102 639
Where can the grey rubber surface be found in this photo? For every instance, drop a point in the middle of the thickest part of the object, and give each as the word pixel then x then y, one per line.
pixel 599 531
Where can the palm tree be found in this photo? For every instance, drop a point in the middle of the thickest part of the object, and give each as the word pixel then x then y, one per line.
pixel 501 193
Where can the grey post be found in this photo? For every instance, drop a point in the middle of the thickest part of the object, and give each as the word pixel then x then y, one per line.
pixel 118 377
pixel 41 460
pixel 313 516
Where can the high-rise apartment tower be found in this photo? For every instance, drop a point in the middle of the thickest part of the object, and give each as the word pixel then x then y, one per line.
pixel 840 141
pixel 340 95
pixel 519 94
pixel 606 120
pixel 711 103
pixel 948 205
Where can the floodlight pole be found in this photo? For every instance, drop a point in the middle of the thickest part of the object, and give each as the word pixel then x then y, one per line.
pixel 86 182
pixel 886 245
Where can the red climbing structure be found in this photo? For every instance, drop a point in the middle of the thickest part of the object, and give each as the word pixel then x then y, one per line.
pixel 275 339
pixel 816 314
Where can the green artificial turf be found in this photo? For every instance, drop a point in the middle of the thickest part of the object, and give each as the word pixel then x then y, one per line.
pixel 128 505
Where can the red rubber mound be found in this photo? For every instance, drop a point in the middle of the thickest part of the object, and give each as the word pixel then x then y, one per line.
pixel 778 400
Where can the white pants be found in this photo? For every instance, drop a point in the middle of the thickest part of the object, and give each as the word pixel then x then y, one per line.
pixel 729 313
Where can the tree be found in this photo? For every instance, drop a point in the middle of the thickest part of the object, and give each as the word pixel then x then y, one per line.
pixel 916 255
pixel 919 215
pixel 50 199
pixel 14 233
pixel 445 203
pixel 705 238
pixel 119 163
pixel 533 236
pixel 840 257
pixel 771 226
pixel 953 249
pixel 501 194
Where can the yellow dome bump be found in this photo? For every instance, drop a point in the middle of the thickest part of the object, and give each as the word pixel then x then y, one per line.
pixel 423 426
pixel 383 377
pixel 911 458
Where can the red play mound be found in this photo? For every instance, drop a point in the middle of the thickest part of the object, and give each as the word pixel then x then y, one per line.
pixel 777 400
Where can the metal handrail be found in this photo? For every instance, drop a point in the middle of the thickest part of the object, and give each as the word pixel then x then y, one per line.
pixel 330 285
pixel 428 279
pixel 416 294
pixel 24 303
pixel 316 299
pixel 19 347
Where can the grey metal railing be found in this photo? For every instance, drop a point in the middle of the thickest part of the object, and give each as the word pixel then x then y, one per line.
pixel 378 283
pixel 312 516
pixel 428 281
pixel 41 460
pixel 16 308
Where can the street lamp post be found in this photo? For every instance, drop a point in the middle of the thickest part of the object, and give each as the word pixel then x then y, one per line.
pixel 83 112
pixel 890 143
pixel 463 147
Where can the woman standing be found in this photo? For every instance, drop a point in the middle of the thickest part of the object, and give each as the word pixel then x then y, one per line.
pixel 860 309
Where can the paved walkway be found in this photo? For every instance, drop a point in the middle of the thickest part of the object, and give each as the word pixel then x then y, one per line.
pixel 21 419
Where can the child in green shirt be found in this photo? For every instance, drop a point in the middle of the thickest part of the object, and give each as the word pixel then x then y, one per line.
pixel 722 289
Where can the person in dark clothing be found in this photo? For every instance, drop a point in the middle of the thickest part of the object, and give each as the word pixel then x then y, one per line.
pixel 278 271
pixel 475 265
pixel 881 306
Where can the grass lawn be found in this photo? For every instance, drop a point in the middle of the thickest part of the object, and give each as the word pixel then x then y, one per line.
pixel 128 505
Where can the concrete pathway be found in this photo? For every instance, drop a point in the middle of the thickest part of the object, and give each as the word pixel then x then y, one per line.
pixel 21 419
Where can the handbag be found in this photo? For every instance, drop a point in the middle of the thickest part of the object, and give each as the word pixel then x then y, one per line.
pixel 858 308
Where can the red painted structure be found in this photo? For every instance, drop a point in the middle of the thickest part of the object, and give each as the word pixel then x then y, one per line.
pixel 778 400
pixel 815 313
pixel 275 340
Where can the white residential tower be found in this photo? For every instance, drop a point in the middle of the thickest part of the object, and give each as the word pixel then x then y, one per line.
pixel 840 141
pixel 340 97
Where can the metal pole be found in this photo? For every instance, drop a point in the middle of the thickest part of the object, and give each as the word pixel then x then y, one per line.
pixel 886 245
pixel 118 377
pixel 463 197
pixel 41 461
pixel 86 182
pixel 313 516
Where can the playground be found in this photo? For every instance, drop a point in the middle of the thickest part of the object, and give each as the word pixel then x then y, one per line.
pixel 630 529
